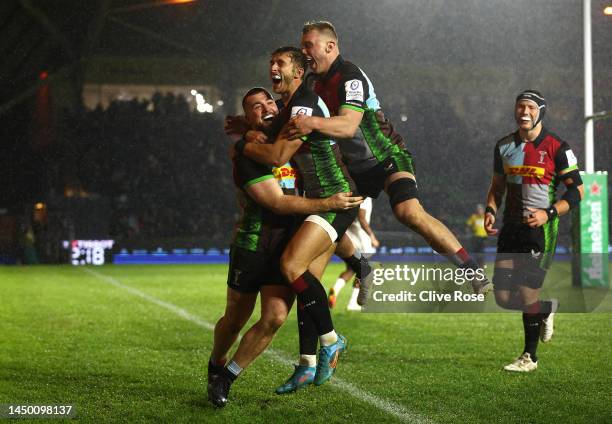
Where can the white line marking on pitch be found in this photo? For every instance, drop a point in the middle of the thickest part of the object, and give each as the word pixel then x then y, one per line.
pixel 387 406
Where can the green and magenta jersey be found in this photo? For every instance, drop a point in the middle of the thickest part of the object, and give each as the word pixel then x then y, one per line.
pixel 532 171
pixel 258 229
pixel 320 170
pixel 345 85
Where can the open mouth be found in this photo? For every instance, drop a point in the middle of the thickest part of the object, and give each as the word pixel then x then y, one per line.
pixel 268 118
pixel 276 80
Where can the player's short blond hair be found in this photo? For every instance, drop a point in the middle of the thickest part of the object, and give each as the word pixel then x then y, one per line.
pixel 324 27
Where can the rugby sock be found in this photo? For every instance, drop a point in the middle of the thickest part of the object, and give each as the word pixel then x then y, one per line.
pixel 232 371
pixel 308 360
pixel 311 294
pixel 462 259
pixel 339 284
pixel 354 295
pixel 359 264
pixel 542 307
pixel 328 339
pixel 307 334
pixel 531 324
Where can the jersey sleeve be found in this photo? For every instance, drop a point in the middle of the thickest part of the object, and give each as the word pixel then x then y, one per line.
pixel 306 105
pixel 565 160
pixel 352 91
pixel 249 172
pixel 498 163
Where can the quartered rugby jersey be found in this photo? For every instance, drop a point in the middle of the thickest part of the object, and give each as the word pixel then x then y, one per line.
pixel 346 85
pixel 321 172
pixel 532 171
pixel 258 229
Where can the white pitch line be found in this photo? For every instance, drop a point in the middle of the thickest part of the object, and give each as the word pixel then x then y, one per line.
pixel 387 406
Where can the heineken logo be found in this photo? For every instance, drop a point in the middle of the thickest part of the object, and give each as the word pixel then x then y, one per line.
pixel 594 229
pixel 595 189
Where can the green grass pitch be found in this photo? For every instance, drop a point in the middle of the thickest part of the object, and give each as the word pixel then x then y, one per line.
pixel 113 342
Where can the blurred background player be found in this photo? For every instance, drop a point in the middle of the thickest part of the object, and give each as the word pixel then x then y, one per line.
pixel 528 166
pixel 478 234
pixel 365 241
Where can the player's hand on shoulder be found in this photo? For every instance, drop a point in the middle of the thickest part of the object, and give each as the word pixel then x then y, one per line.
pixel 253 136
pixel 536 217
pixel 344 201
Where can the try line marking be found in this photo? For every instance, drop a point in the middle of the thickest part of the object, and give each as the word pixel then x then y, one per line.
pixel 387 406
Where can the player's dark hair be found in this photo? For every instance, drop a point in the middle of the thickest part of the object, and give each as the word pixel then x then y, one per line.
pixel 256 90
pixel 321 26
pixel 297 57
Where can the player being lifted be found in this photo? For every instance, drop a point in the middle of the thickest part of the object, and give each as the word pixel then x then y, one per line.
pixel 374 153
pixel 364 240
pixel 321 174
pixel 260 237
pixel 528 166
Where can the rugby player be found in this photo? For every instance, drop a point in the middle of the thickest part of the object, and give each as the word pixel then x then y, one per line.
pixel 528 165
pixel 374 153
pixel 321 174
pixel 260 237
pixel 364 240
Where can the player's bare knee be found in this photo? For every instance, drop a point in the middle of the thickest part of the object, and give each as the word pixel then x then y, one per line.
pixel 273 322
pixel 291 268
pixel 503 299
pixel 412 217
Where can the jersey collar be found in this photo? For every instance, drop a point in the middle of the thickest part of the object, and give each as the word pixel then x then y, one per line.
pixel 536 142
pixel 332 69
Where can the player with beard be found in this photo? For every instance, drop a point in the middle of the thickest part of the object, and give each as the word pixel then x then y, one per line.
pixel 374 153
pixel 261 236
pixel 321 173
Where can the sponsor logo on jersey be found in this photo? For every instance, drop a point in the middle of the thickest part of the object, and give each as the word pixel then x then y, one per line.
pixel 301 110
pixel 354 90
pixel 526 171
pixel 284 172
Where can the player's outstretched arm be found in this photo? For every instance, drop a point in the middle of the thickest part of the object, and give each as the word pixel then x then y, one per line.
pixel 344 125
pixel 268 194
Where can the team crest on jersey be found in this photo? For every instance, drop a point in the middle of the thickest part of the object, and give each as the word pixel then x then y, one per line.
pixel 301 110
pixel 542 156
pixel 354 90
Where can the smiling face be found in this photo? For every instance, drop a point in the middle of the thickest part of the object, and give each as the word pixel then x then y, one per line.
pixel 319 50
pixel 526 113
pixel 260 110
pixel 284 73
